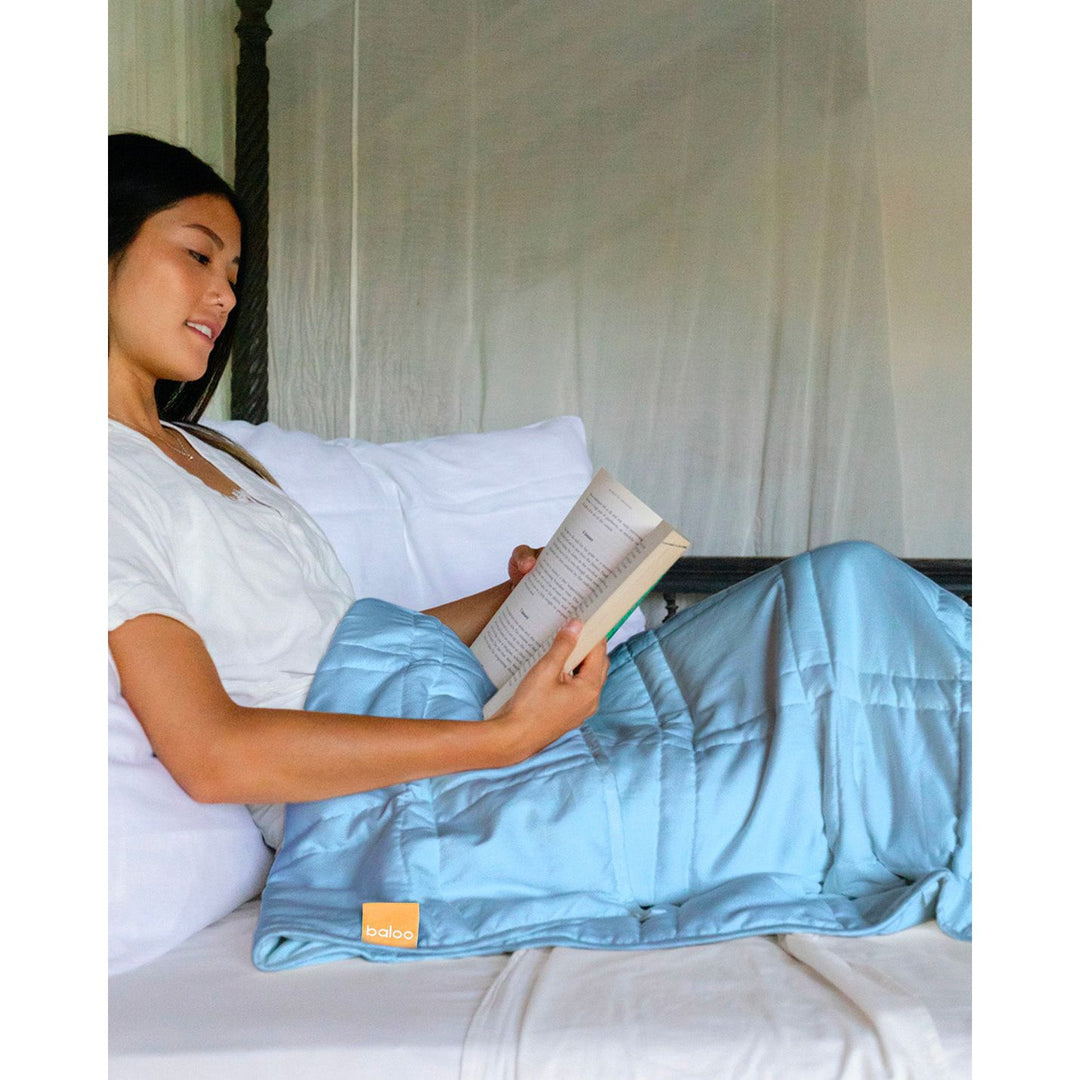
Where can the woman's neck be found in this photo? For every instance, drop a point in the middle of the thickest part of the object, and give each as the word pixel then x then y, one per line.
pixel 133 404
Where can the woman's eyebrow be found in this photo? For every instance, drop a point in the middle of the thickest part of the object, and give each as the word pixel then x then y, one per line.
pixel 209 232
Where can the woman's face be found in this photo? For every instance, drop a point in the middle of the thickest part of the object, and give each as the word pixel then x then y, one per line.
pixel 171 290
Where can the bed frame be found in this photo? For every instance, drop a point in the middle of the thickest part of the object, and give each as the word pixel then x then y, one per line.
pixel 249 398
pixel 692 576
pixel 249 381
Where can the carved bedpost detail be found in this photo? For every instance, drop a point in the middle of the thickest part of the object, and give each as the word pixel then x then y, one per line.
pixel 249 395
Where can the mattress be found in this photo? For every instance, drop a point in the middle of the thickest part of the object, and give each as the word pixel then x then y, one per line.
pixel 798 1006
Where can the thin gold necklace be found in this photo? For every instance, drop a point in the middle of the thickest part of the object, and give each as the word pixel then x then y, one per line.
pixel 177 445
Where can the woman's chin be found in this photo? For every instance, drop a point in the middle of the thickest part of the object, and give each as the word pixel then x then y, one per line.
pixel 187 372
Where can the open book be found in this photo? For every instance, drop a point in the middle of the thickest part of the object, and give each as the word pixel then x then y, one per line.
pixel 606 555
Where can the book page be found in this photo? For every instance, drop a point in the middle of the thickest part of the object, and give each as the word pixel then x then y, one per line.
pixel 597 540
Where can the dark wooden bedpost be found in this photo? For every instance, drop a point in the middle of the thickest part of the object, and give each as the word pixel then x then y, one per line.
pixel 249 396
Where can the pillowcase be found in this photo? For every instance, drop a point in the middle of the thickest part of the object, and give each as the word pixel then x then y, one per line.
pixel 175 865
pixel 421 523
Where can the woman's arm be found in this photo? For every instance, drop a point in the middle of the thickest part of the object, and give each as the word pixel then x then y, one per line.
pixel 469 615
pixel 219 751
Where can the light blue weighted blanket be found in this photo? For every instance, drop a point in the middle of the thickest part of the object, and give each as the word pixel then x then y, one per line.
pixel 790 755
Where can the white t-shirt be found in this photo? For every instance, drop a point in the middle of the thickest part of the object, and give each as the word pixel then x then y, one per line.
pixel 252 574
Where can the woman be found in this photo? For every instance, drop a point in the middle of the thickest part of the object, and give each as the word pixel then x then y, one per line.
pixel 223 593
pixel 792 753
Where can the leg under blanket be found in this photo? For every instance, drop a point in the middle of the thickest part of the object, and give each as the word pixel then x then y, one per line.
pixel 792 754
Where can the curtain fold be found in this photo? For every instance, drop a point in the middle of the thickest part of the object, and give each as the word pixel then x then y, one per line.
pixel 665 216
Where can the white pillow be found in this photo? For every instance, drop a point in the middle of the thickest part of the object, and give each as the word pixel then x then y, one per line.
pixel 421 523
pixel 175 865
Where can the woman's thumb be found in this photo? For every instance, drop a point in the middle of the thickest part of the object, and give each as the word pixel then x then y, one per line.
pixel 564 643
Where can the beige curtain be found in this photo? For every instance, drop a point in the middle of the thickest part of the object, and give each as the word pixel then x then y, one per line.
pixel 172 73
pixel 732 235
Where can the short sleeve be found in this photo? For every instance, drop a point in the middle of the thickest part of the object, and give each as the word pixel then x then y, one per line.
pixel 141 573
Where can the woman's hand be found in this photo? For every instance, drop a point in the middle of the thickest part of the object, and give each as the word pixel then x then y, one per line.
pixel 469 615
pixel 522 560
pixel 550 702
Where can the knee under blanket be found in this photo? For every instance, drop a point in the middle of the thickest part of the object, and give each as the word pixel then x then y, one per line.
pixel 790 755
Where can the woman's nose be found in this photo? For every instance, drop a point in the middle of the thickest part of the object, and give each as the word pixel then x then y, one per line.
pixel 222 295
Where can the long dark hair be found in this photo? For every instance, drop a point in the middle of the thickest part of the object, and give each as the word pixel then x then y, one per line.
pixel 147 176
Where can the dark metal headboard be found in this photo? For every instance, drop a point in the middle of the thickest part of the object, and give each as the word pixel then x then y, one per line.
pixel 249 398
pixel 709 574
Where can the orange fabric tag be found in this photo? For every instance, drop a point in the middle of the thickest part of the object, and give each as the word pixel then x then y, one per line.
pixel 396 925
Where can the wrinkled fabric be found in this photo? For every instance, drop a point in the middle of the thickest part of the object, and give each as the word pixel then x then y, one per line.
pixel 792 754
pixel 734 237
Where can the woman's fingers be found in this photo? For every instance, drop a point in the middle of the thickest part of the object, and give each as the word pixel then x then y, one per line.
pixel 594 668
pixel 589 675
pixel 522 560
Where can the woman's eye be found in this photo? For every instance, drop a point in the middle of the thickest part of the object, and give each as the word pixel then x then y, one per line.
pixel 199 257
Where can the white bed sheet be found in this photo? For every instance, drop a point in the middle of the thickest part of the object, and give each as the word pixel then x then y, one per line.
pixel 797 1006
